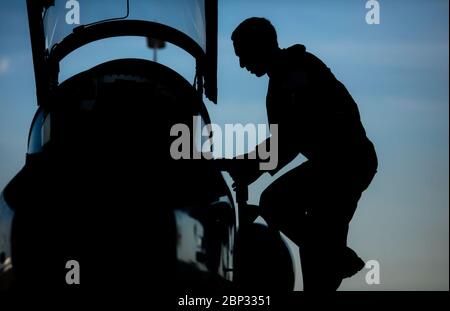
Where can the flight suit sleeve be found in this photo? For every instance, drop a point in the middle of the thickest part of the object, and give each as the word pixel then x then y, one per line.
pixel 289 105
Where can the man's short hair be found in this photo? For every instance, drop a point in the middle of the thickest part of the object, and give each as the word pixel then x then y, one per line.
pixel 255 31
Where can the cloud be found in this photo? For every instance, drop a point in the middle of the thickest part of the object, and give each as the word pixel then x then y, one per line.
pixel 4 64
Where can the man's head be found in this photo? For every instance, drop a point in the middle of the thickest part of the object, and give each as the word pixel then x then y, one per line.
pixel 255 43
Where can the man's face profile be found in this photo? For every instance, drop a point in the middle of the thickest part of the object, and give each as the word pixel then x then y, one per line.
pixel 250 59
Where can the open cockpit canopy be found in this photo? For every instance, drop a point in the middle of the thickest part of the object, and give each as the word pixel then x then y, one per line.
pixel 59 27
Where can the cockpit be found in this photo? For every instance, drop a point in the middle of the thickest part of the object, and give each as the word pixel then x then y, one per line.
pixel 60 27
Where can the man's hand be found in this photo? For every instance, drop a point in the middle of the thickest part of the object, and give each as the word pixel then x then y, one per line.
pixel 245 174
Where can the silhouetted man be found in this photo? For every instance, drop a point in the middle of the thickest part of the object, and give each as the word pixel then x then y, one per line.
pixel 317 117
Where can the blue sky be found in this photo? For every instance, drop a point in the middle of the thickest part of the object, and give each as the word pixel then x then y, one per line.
pixel 397 72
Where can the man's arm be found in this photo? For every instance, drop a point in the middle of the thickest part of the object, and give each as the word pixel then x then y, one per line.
pixel 281 149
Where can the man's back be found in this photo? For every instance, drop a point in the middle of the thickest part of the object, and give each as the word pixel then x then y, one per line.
pixel 316 114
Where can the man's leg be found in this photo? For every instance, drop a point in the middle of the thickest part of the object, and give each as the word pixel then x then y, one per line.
pixel 318 269
pixel 315 216
pixel 283 203
pixel 320 253
pixel 326 258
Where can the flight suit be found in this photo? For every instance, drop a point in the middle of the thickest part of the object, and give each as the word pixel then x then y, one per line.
pixel 314 203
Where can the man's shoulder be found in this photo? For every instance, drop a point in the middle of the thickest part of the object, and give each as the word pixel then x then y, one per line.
pixel 293 55
pixel 296 57
pixel 297 66
pixel 298 49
